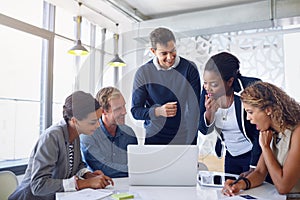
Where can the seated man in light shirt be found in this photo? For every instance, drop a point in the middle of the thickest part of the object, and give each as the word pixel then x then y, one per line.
pixel 106 149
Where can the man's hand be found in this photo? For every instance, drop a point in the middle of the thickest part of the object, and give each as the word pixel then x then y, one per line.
pixel 167 110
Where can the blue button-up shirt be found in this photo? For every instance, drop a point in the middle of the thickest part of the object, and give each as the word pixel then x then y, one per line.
pixel 102 151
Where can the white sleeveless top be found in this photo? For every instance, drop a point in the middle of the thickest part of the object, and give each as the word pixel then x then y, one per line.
pixel 280 147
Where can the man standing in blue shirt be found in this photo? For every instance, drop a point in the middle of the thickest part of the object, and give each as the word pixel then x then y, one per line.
pixel 106 149
pixel 166 93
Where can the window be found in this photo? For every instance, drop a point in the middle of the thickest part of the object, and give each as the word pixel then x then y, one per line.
pixel 64 71
pixel 30 12
pixel 24 62
pixel 20 74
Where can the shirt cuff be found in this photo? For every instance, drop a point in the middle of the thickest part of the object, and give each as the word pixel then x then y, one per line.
pixel 152 112
pixel 206 122
pixel 69 184
pixel 81 172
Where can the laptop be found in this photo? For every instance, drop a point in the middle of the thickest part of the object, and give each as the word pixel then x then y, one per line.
pixel 162 165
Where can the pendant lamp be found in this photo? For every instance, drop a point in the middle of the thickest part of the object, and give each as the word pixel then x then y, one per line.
pixel 116 61
pixel 78 49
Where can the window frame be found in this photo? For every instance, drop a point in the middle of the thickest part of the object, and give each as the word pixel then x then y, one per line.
pixel 19 166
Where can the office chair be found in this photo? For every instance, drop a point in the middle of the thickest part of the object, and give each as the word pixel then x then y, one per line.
pixel 8 184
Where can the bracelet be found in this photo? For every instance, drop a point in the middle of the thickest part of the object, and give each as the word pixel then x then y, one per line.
pixel 76 182
pixel 248 183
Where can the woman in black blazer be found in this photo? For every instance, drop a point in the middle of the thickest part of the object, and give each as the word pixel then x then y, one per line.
pixel 221 110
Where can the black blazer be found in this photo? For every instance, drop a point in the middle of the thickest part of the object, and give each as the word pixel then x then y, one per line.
pixel 249 130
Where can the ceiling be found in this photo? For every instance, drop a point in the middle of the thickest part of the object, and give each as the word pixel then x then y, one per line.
pixel 154 9
pixel 108 13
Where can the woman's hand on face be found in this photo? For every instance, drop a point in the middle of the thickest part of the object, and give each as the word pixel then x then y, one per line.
pixel 265 138
pixel 211 104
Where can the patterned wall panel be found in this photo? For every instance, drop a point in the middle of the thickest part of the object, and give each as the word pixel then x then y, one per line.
pixel 259 51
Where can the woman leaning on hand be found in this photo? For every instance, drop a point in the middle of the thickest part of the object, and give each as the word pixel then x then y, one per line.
pixel 277 116
pixel 55 164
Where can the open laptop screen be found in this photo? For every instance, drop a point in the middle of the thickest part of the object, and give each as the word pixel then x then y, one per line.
pixel 162 165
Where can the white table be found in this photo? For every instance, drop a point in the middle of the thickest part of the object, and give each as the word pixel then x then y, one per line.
pixel 266 191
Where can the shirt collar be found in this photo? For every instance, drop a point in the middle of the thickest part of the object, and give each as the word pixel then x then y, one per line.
pixel 158 67
pixel 118 133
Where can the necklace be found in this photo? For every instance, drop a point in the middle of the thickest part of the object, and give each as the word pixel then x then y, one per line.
pixel 225 111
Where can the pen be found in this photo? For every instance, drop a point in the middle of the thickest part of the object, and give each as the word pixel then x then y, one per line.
pixel 237 180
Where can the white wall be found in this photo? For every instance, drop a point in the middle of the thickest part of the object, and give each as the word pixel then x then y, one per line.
pixel 292 64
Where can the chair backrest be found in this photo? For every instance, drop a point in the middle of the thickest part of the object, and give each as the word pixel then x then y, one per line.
pixel 8 184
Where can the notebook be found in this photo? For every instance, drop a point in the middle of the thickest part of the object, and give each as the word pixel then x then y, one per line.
pixel 162 165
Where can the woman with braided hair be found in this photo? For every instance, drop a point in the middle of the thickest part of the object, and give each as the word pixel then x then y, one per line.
pixel 277 117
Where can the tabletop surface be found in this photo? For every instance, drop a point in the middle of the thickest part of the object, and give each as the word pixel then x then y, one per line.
pixel 265 191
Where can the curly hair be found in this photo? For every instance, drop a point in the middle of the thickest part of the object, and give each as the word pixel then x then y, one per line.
pixel 285 110
pixel 105 95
